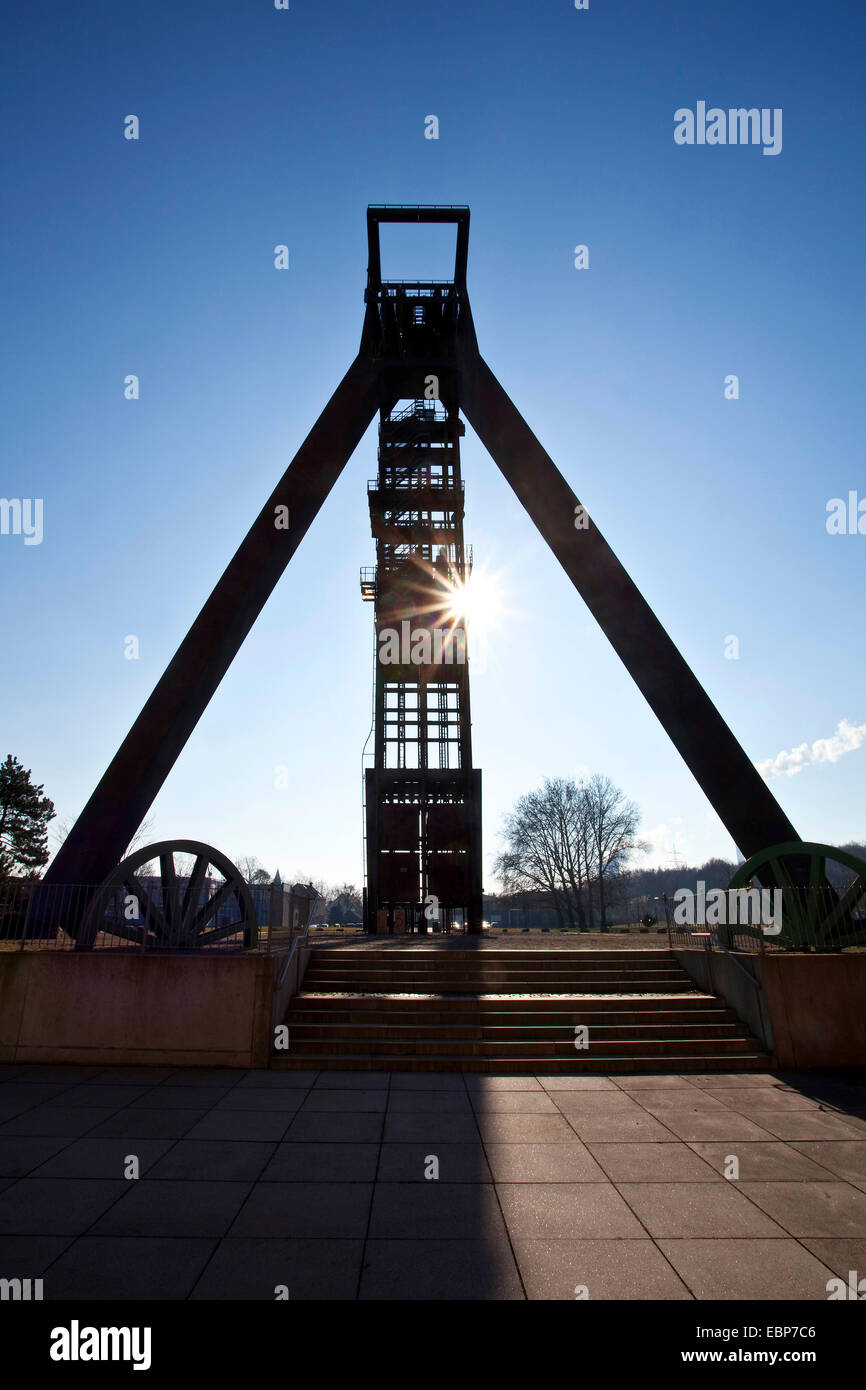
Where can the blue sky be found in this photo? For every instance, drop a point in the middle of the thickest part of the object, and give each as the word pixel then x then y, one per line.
pixel 155 257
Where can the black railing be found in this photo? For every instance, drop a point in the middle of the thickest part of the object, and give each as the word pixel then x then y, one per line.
pixel 790 919
pixel 62 917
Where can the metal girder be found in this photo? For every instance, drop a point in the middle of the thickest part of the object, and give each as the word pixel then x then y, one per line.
pixel 376 215
pixel 120 802
pixel 732 783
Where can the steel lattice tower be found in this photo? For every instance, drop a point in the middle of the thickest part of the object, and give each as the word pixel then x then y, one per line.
pixel 422 794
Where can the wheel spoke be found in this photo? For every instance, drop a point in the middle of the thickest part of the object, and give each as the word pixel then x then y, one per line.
pixel 817 871
pixel 792 908
pixel 169 889
pixel 846 904
pixel 192 895
pixel 211 907
pixel 126 931
pixel 783 878
pixel 219 933
pixel 154 920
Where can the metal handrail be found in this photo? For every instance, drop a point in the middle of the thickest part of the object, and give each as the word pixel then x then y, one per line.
pixel 302 936
pixel 749 976
pixel 711 940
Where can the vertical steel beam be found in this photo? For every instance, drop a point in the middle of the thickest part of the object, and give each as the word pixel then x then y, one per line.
pixel 476 887
pixel 729 779
pixel 117 807
pixel 372 802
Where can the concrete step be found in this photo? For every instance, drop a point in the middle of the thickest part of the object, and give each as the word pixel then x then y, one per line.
pixel 600 1065
pixel 442 953
pixel 565 1004
pixel 546 984
pixel 542 1051
pixel 519 987
pixel 301 1028
pixel 531 960
pixel 507 1011
pixel 541 1019
pixel 480 965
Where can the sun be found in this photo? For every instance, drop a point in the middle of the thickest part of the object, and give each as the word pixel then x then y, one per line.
pixel 478 603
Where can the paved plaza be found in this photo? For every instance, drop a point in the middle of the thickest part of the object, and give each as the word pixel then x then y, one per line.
pixel 386 1186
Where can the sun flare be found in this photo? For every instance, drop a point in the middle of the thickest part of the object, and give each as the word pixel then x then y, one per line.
pixel 478 603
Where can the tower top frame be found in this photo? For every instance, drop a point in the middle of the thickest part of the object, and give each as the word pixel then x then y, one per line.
pixel 418 212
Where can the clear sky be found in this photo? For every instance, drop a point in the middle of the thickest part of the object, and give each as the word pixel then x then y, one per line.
pixel 156 257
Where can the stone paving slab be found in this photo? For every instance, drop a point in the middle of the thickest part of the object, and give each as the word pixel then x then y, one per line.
pixel 604 1269
pixel 253 1098
pixel 252 1268
pixel 253 1125
pixel 747 1269
pixel 415 1185
pixel 310 1209
pixel 52 1206
pixel 437 1081
pixel 215 1160
pixel 146 1124
pixel 51 1121
pixel 652 1163
pixel 124 1267
pixel 775 1162
pixel 173 1208
pixel 432 1102
pixel 441 1269
pixel 840 1255
pixel 101 1158
pixel 843 1158
pixel 681 1209
pixel 407 1211
pixel 543 1163
pixel 294 1162
pixel 513 1103
pixel 454 1163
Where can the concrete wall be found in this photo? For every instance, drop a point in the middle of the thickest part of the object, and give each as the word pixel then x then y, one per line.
pixel 285 986
pixel 109 1007
pixel 810 1010
pixel 818 1008
pixel 717 973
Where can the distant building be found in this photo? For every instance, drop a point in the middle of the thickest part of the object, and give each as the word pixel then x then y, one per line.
pixel 343 912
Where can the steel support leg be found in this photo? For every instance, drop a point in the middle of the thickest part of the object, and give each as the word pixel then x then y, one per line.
pixel 120 802
pixel 729 779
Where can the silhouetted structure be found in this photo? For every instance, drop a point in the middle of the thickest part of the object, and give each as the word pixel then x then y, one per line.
pixel 422 796
pixel 413 332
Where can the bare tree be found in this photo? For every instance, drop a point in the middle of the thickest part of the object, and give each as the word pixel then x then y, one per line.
pixel 252 870
pixel 568 804
pixel 568 839
pixel 539 853
pixel 613 822
pixel 140 838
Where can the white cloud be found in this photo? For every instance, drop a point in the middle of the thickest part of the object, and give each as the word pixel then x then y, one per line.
pixel 824 750
pixel 667 843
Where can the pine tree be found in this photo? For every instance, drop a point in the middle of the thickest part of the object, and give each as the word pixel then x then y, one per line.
pixel 24 817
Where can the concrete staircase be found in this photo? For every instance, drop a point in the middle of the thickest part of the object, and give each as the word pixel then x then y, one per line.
pixel 513 1011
